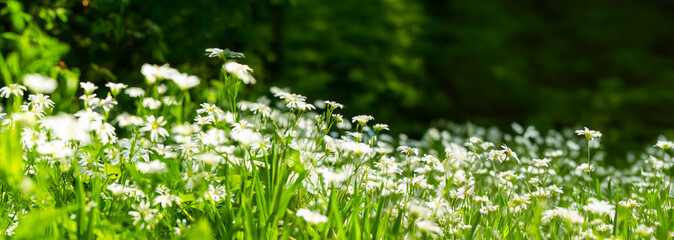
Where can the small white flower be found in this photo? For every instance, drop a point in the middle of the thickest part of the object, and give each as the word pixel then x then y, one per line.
pixel 88 87
pixel 241 71
pixel 115 88
pixel 105 131
pixel 409 151
pixel 214 52
pixel 587 168
pixel 165 200
pixel 334 105
pixel 40 101
pixel 541 163
pixel 362 119
pixel 599 207
pixel 135 92
pixel 204 120
pixel 143 212
pixel 151 103
pixel 39 83
pixel 589 134
pixel 90 99
pixel 311 217
pixel 644 230
pixel 185 81
pixel 216 194
pixel 153 167
pixel 12 89
pixel 155 127
pixel 379 127
pixel 117 189
pixel 665 145
pixel 429 226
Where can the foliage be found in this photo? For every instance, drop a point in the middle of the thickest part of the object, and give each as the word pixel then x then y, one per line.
pixel 492 63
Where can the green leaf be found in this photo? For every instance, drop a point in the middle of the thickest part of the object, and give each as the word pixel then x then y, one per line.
pixel 200 231
pixel 36 224
pixel 112 171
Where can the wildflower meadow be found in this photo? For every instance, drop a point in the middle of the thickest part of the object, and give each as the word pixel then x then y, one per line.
pixel 286 167
pixel 131 120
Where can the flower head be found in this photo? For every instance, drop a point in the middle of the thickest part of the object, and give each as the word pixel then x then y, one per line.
pixel 664 145
pixel 39 83
pixel 155 126
pixel 12 89
pixel 153 167
pixel 589 134
pixel 115 88
pixel 241 71
pixel 311 217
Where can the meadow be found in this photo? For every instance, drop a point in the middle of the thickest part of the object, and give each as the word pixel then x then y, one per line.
pixel 282 166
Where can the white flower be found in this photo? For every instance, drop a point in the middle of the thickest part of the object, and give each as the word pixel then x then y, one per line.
pixel 151 103
pixel 263 145
pixel 333 104
pixel 332 177
pixel 144 213
pixel 409 151
pixel 39 83
pixel 429 226
pixel 241 71
pixel 519 203
pixel 362 119
pixel 599 207
pixel 155 127
pixel 380 126
pixel 107 103
pixel 204 120
pixel 90 99
pixel 117 189
pixel 216 194
pixel 88 87
pixel 151 72
pixel 165 199
pixel 246 137
pixel 153 167
pixel 569 215
pixel 587 168
pixel 541 163
pixel 135 92
pixel 115 88
pixel 185 81
pixel 210 158
pixel 12 89
pixel 294 101
pixel 311 217
pixel 66 127
pixel 630 203
pixel 88 116
pixel 665 145
pixel 40 101
pixel 126 119
pixel 644 230
pixel 181 228
pixel 105 131
pixel 30 137
pixel 589 134
pixel 214 52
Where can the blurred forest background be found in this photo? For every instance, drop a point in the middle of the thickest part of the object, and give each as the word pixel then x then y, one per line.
pixel 605 65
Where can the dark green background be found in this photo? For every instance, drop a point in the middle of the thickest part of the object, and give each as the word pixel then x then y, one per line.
pixel 605 65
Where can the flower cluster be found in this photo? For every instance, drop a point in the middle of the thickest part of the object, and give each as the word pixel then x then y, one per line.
pixel 169 167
